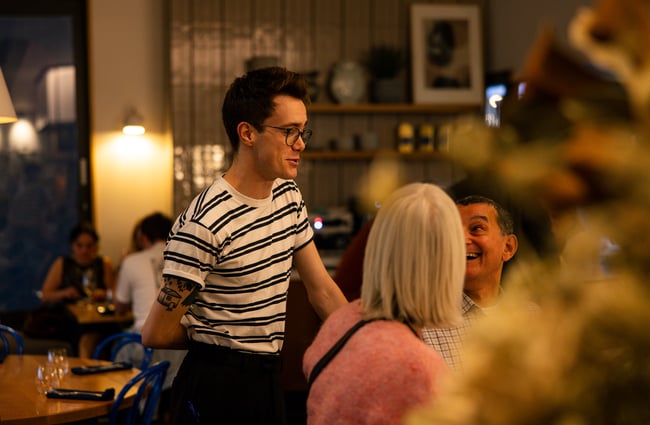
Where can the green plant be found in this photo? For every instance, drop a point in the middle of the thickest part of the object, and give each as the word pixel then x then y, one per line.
pixel 384 61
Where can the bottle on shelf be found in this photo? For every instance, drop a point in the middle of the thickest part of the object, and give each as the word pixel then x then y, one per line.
pixel 405 138
pixel 425 138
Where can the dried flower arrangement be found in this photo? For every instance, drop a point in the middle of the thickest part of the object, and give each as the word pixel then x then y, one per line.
pixel 578 138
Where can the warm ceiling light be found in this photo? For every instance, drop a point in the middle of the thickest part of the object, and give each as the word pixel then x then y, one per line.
pixel 7 112
pixel 133 124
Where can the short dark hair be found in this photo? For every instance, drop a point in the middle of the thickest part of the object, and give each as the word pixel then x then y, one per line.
pixel 504 219
pixel 156 226
pixel 83 228
pixel 250 98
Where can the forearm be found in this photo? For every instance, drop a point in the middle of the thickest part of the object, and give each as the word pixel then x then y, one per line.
pixel 163 334
pixel 326 300
pixel 54 296
pixel 99 295
pixel 323 293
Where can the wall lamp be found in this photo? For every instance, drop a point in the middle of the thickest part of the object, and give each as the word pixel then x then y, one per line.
pixel 7 111
pixel 133 124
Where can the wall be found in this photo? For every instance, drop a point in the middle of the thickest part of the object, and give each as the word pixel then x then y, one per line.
pixel 131 177
pixel 128 68
pixel 514 24
pixel 212 44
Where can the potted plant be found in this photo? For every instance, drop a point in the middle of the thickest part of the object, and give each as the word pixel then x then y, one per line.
pixel 385 63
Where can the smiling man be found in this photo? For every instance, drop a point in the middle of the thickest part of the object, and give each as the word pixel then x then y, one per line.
pixel 490 242
pixel 228 262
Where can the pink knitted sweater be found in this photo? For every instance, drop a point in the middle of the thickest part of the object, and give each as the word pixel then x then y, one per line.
pixel 382 372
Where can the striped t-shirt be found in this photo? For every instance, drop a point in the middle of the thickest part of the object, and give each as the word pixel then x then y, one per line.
pixel 240 251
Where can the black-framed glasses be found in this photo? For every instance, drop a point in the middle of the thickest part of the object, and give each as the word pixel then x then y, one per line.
pixel 291 134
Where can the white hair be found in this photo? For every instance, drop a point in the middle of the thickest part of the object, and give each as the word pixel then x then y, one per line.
pixel 414 265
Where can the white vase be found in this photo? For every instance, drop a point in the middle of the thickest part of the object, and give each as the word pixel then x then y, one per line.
pixel 348 82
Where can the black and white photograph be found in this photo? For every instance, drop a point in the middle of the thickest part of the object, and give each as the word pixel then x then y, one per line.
pixel 446 52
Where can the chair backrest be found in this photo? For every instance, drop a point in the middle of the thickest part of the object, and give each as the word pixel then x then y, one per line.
pixel 11 339
pixel 122 342
pixel 148 386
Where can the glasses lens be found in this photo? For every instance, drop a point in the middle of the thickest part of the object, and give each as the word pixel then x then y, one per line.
pixel 306 135
pixel 292 135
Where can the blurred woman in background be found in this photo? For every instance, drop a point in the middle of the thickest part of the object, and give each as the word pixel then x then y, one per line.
pixel 81 275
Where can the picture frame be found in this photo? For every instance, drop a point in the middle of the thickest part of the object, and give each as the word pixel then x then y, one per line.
pixel 447 54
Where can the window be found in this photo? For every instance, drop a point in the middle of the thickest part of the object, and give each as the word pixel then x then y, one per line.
pixel 44 170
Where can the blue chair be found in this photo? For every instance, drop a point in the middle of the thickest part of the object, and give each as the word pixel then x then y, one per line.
pixel 11 339
pixel 145 403
pixel 121 342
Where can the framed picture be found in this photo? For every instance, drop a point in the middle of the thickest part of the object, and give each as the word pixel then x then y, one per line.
pixel 447 54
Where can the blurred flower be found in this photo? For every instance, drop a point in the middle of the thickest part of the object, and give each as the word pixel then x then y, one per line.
pixel 578 139
pixel 582 361
pixel 615 34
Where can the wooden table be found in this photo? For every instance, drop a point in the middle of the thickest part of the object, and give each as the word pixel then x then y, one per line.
pixel 87 314
pixel 20 402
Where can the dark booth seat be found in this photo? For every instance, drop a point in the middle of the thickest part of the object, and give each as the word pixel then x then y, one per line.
pixel 16 319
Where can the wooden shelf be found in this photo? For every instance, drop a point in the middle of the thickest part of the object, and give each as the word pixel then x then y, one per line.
pixel 389 108
pixel 362 155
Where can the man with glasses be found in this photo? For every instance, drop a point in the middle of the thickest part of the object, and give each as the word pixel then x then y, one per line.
pixel 229 257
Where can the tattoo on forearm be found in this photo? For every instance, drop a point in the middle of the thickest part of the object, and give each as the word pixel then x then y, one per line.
pixel 177 291
pixel 192 296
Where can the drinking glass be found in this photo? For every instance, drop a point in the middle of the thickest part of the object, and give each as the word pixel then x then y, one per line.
pixel 58 358
pixel 46 378
pixel 88 283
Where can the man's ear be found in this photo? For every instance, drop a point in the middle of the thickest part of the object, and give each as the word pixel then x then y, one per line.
pixel 512 244
pixel 246 133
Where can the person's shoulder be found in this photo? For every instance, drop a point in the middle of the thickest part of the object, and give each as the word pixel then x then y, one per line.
pixel 348 311
pixel 279 181
pixel 408 349
pixel 134 258
pixel 285 186
pixel 107 261
pixel 127 261
pixel 57 263
pixel 343 317
pixel 217 189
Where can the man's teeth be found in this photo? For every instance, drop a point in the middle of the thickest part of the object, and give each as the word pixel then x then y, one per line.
pixel 472 255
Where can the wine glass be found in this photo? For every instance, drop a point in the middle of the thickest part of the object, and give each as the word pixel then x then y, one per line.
pixel 88 284
pixel 58 358
pixel 46 378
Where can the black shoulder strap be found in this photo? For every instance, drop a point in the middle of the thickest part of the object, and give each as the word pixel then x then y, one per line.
pixel 318 368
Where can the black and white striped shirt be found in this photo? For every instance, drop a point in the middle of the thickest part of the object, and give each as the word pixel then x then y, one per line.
pixel 240 251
